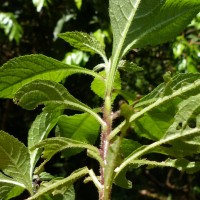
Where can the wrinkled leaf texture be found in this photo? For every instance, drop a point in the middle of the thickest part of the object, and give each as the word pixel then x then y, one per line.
pixel 14 164
pixel 22 70
pixel 138 23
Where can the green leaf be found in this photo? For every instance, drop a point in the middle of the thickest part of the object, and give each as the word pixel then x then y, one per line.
pixel 63 193
pixel 52 146
pixel 128 146
pixel 10 25
pixel 81 127
pixel 39 130
pixel 53 185
pixel 22 70
pixel 154 124
pixel 128 66
pixel 84 42
pixel 52 94
pixel 183 132
pixel 180 164
pixel 99 86
pixel 9 191
pixel 138 23
pixel 182 86
pixel 14 162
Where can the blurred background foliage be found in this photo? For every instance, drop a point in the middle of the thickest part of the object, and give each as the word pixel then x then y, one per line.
pixel 29 27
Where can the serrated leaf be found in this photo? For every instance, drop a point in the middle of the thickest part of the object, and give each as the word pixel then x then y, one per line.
pixel 182 86
pixel 66 182
pixel 22 70
pixel 186 128
pixel 51 146
pixel 14 162
pixel 161 106
pixel 52 94
pixel 138 23
pixel 84 42
pixel 39 130
pixel 63 193
pixel 99 86
pixel 183 132
pixel 180 164
pixel 81 127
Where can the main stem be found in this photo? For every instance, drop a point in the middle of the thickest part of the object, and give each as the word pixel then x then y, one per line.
pixel 106 130
pixel 107 171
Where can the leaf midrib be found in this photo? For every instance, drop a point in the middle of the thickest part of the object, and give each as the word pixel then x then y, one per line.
pixel 154 27
pixel 126 29
pixel 34 77
pixel 168 139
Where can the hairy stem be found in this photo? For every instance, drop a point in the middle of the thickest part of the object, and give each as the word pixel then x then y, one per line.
pixel 105 178
pixel 106 130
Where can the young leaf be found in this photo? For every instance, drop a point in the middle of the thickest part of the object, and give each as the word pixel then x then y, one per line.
pixel 52 146
pixel 84 42
pixel 81 127
pixel 98 86
pixel 39 130
pixel 66 182
pixel 14 162
pixel 139 23
pixel 22 70
pixel 128 66
pixel 52 94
